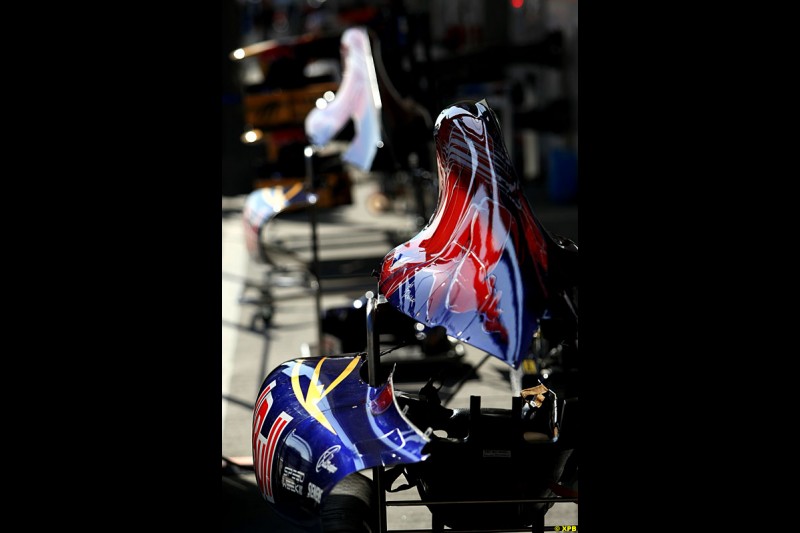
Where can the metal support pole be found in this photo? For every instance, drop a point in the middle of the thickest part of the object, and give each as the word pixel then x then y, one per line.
pixel 309 154
pixel 373 364
pixel 373 340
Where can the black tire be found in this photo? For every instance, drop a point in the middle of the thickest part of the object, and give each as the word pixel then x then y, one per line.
pixel 349 508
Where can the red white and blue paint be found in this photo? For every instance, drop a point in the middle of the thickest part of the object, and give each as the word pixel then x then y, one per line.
pixel 479 268
pixel 315 422
pixel 262 205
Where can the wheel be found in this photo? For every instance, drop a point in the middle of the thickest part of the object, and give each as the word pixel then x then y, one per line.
pixel 349 507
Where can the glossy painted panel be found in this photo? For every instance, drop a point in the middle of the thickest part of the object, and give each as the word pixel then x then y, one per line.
pixel 263 204
pixel 315 422
pixel 479 267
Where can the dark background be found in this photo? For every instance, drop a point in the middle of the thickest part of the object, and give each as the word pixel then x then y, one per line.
pixel 522 56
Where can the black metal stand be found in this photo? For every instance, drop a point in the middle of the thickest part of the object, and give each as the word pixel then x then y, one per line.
pixel 373 364
pixel 378 475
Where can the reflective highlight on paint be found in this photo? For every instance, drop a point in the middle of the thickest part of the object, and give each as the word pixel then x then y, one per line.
pixel 479 267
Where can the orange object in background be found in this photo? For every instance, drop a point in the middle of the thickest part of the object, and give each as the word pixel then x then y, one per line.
pixel 284 108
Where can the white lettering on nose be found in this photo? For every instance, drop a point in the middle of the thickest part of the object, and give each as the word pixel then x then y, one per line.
pixel 314 492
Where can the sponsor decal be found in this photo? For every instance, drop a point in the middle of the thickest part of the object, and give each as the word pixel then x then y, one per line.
pixel 325 460
pixel 292 480
pixel 314 492
pixel 315 392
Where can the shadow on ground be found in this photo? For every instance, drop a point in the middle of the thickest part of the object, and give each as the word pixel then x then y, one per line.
pixel 244 510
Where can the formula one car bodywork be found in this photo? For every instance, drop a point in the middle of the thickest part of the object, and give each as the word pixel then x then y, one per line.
pixel 316 421
pixel 264 204
pixel 482 269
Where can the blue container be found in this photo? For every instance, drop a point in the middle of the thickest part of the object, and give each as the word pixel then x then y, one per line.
pixel 562 175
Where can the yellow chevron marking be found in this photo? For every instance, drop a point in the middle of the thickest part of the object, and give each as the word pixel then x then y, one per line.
pixel 315 392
